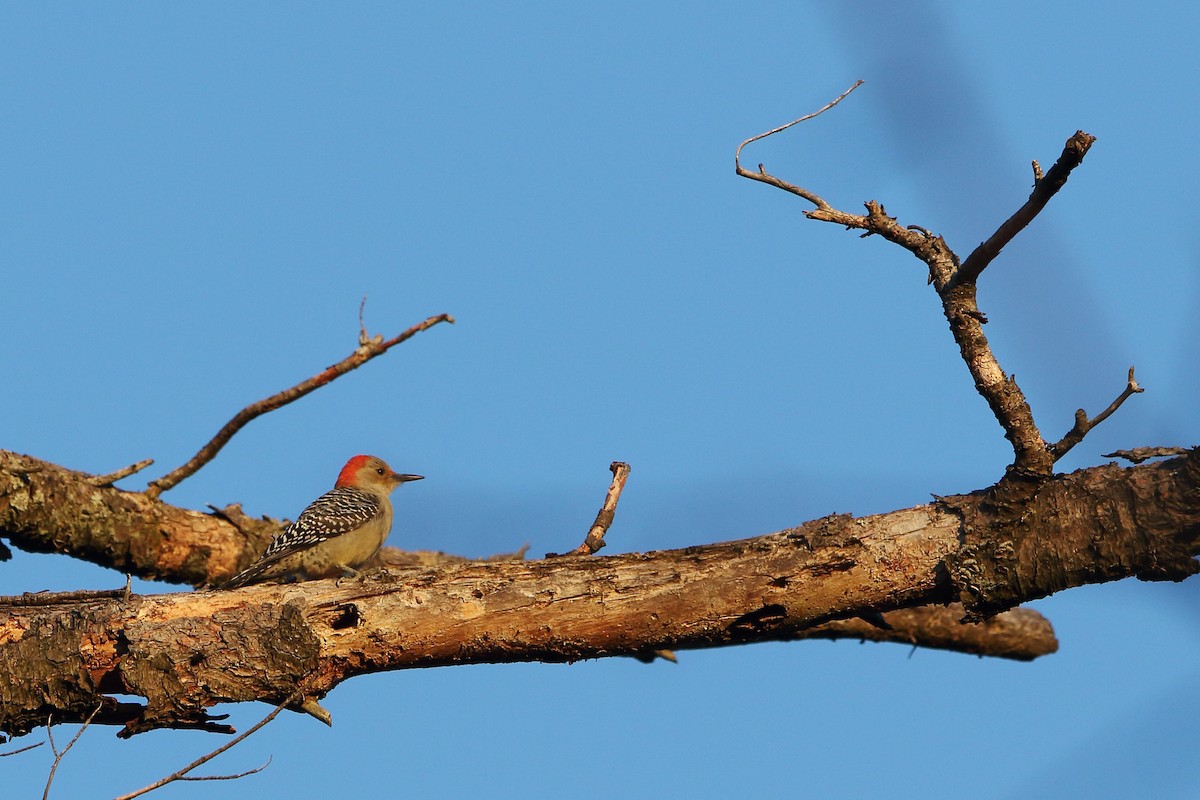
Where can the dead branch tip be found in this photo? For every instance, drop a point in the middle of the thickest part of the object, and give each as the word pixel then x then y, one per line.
pixel 1083 424
pixel 1044 187
pixel 763 176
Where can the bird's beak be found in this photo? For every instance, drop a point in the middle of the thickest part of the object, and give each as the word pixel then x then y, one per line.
pixel 398 478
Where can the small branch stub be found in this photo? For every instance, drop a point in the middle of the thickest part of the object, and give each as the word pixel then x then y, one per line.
pixel 1083 424
pixel 108 480
pixel 594 541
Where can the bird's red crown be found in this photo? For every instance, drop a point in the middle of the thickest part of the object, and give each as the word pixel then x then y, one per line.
pixel 349 474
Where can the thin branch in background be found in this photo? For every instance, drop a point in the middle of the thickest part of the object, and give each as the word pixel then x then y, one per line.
pixel 180 774
pixel 1139 454
pixel 1083 424
pixel 59 598
pixel 1045 187
pixel 368 348
pixel 233 777
pixel 124 472
pixel 21 749
pixel 58 757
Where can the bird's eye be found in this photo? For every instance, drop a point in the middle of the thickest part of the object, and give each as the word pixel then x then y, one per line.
pixel 379 470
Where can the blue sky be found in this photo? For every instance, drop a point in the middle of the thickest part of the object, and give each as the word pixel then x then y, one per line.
pixel 196 198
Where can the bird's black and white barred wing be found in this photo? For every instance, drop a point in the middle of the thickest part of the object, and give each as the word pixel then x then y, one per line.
pixel 338 511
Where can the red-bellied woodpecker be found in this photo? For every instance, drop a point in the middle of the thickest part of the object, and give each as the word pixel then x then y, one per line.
pixel 340 531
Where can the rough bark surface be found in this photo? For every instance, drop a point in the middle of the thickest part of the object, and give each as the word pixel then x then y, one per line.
pixel 186 652
pixel 45 508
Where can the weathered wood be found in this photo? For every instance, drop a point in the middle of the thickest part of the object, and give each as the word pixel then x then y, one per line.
pixel 187 652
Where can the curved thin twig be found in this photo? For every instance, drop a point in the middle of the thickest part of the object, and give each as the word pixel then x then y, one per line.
pixel 181 773
pixel 368 348
pixel 58 756
pixel 764 177
pixel 737 153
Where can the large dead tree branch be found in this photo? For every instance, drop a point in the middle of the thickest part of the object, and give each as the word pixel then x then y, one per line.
pixel 185 653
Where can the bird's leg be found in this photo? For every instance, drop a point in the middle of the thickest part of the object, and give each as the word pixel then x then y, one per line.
pixel 347 572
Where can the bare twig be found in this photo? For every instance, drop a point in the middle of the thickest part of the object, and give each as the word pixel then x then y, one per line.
pixel 21 749
pixel 58 756
pixel 1139 454
pixel 594 540
pixel 1083 424
pixel 369 347
pixel 179 774
pixel 124 472
pixel 233 777
pixel 395 557
pixel 762 175
pixel 1044 188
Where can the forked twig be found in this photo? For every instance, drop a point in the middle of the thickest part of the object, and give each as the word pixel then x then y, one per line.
pixel 368 348
pixel 58 756
pixel 1044 187
pixel 1083 424
pixel 180 774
